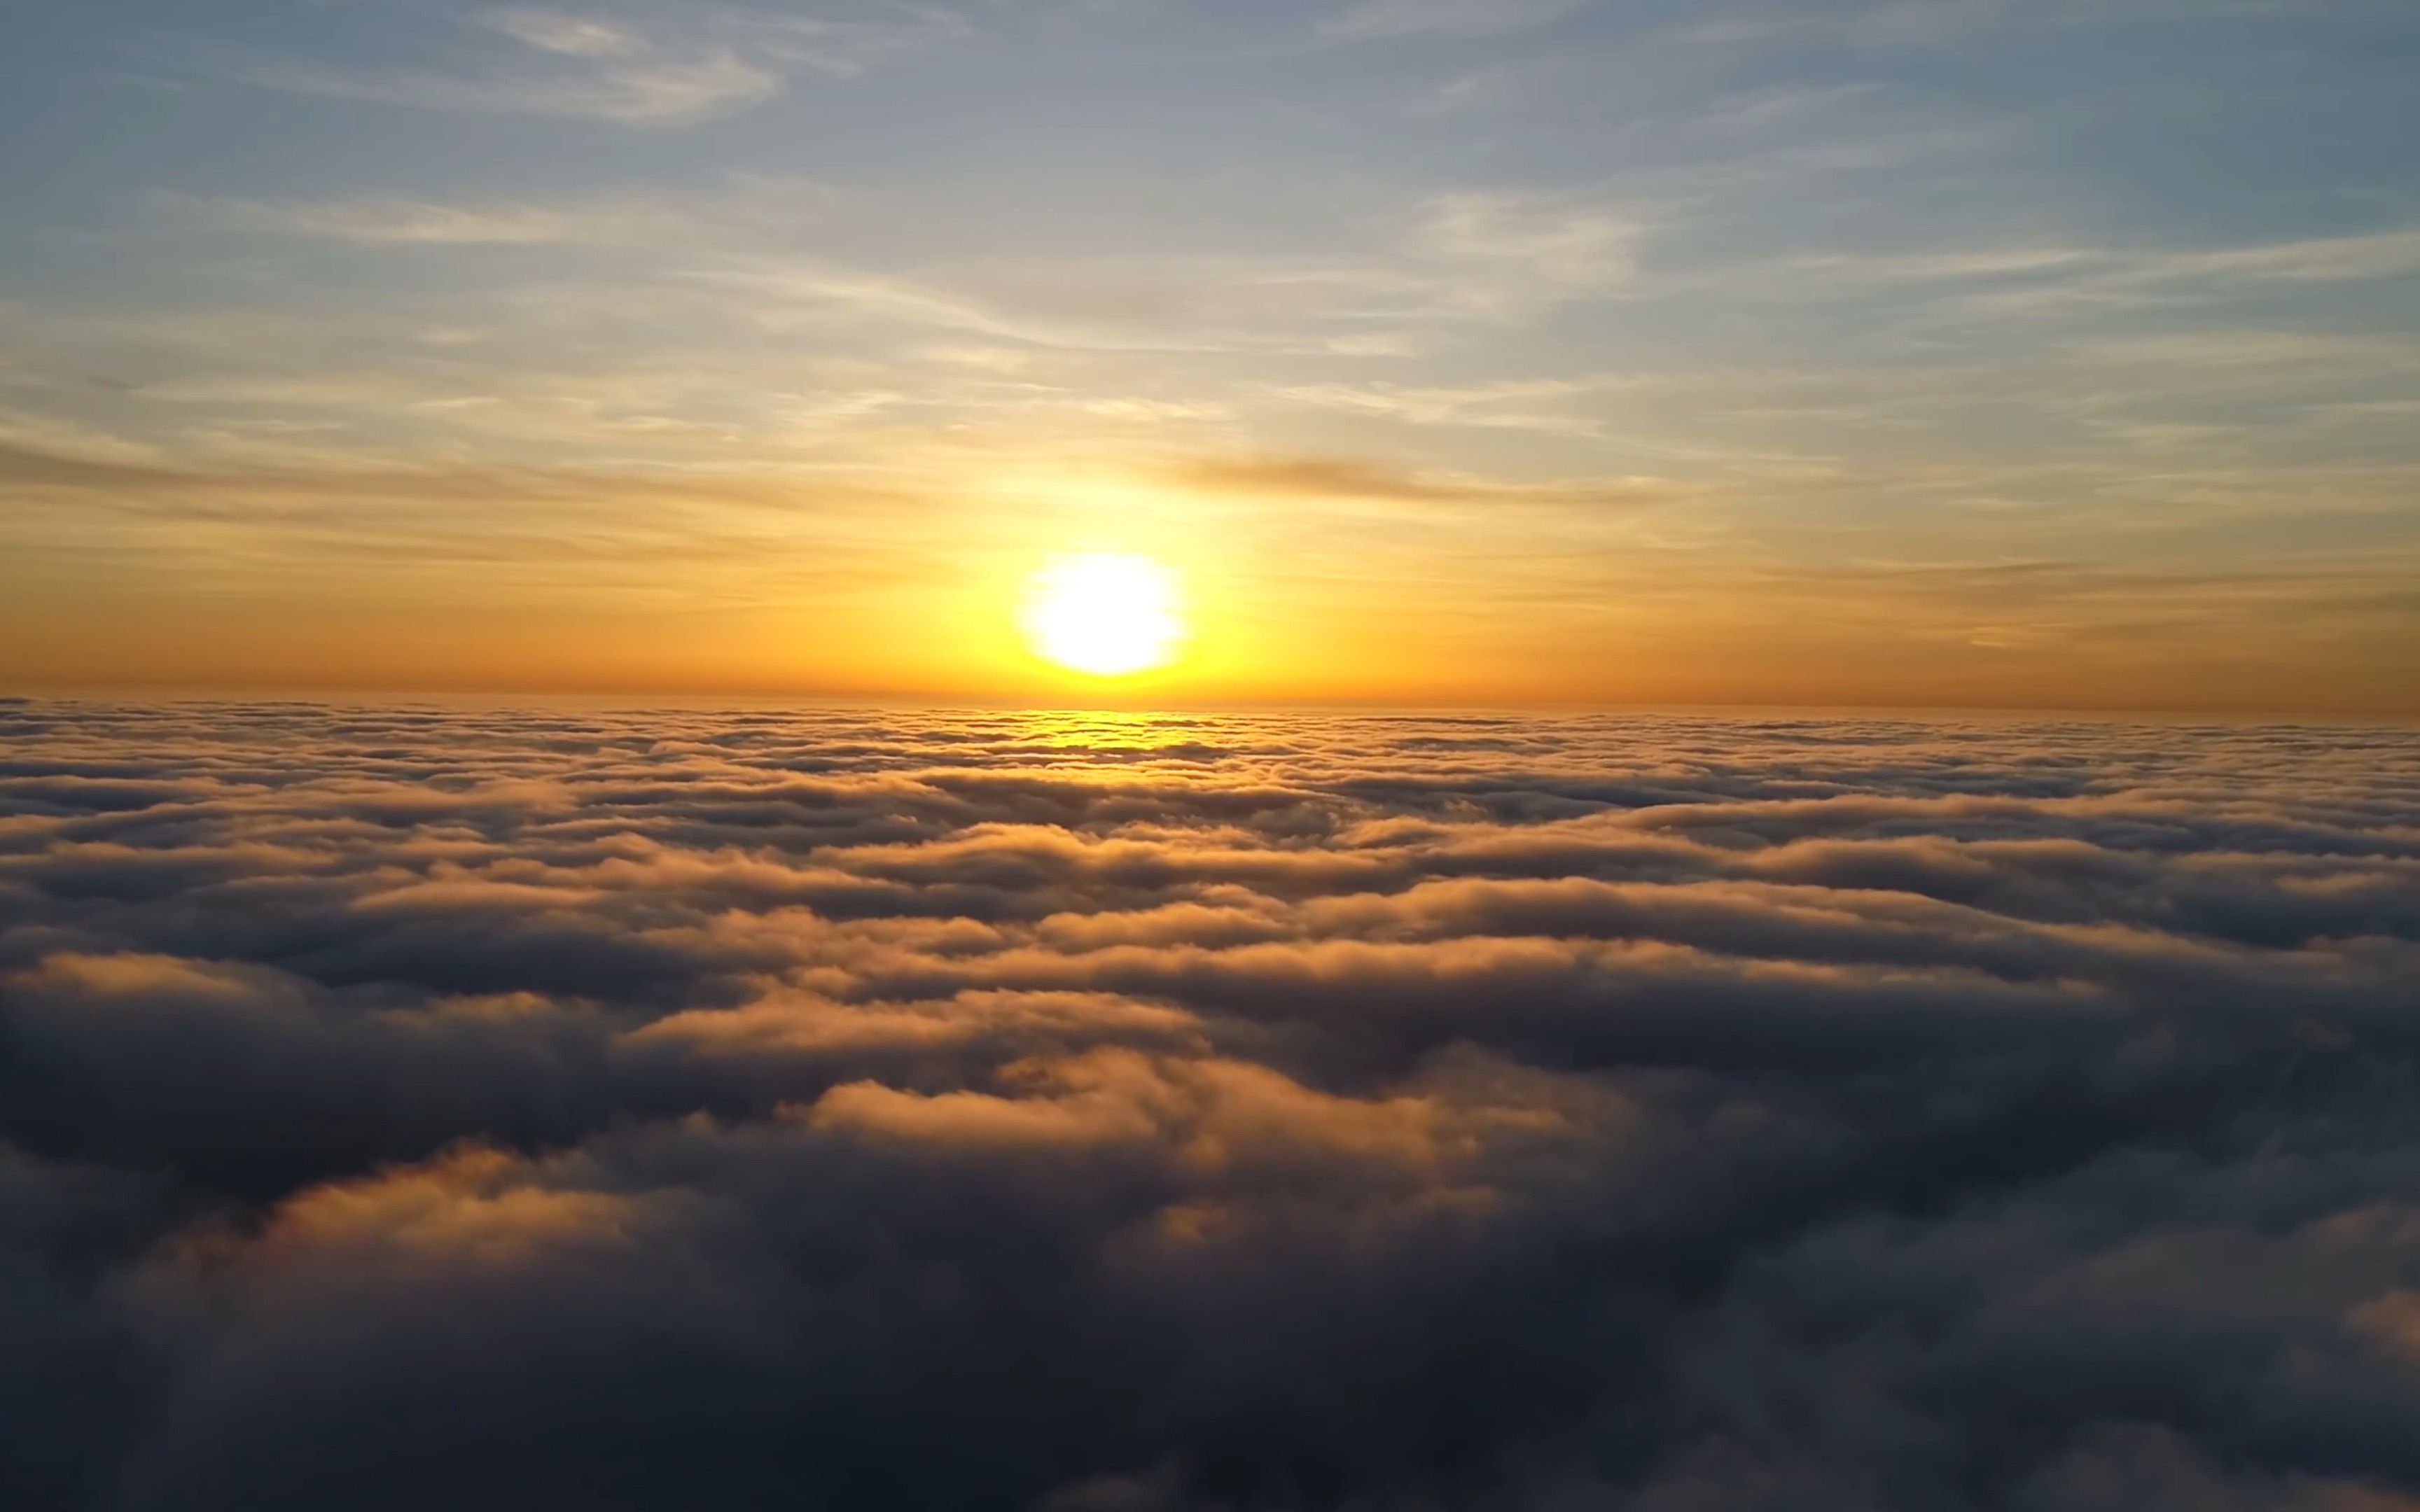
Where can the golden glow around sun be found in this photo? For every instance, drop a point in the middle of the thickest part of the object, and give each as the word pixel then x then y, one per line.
pixel 1104 612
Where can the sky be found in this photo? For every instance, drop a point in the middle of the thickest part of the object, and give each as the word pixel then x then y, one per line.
pixel 2057 354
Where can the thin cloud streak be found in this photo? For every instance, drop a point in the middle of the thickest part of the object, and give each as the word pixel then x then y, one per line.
pixel 649 67
pixel 1375 19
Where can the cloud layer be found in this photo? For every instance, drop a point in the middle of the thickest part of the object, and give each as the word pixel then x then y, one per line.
pixel 438 1106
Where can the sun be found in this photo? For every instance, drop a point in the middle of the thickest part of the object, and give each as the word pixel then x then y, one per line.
pixel 1106 613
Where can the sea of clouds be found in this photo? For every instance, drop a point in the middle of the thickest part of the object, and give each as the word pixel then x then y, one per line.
pixel 459 1108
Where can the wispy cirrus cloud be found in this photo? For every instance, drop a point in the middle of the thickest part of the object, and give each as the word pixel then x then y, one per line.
pixel 1337 478
pixel 1448 262
pixel 1458 262
pixel 1539 404
pixel 1917 23
pixel 1559 246
pixel 2091 272
pixel 640 65
pixel 423 222
pixel 740 210
pixel 1375 19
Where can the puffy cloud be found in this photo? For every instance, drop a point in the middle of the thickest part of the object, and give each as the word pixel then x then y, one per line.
pixel 731 1109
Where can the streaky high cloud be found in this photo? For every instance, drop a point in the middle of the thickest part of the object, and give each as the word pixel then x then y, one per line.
pixel 1409 18
pixel 636 65
pixel 558 1106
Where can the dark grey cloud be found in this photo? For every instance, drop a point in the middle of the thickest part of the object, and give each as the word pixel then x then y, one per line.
pixel 688 1109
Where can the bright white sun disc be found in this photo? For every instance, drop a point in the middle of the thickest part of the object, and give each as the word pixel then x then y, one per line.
pixel 1104 612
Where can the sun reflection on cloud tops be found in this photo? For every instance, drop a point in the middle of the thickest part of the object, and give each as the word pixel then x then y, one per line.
pixel 1106 613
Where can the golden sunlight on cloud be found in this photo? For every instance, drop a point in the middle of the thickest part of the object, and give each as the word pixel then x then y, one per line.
pixel 1106 613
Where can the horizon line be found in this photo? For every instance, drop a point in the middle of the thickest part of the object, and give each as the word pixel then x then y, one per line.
pixel 938 699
